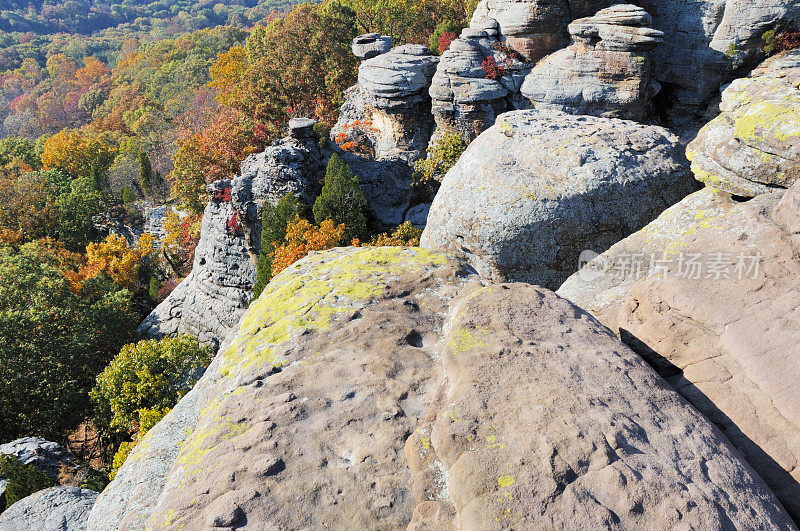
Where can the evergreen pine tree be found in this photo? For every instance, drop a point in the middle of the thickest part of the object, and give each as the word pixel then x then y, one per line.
pixel 342 200
pixel 273 230
pixel 146 173
pixel 128 196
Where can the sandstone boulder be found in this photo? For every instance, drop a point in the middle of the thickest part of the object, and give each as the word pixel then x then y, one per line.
pixel 53 509
pixel 726 335
pixel 705 42
pixel 309 406
pixel 753 147
pixel 209 302
pixel 545 421
pixel 535 190
pixel 607 71
pixel 604 282
pixel 512 404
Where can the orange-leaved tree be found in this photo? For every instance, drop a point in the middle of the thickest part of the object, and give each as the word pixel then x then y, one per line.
pixel 302 237
pixel 113 257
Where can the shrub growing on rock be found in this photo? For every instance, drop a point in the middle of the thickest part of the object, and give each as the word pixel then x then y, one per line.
pixel 147 419
pixel 445 152
pixel 302 237
pixel 150 374
pixel 342 200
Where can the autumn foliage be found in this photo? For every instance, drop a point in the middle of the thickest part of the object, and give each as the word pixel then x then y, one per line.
pixel 302 237
pixel 114 258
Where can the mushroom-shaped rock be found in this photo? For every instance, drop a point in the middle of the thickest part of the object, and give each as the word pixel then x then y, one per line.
pixel 390 104
pixel 607 71
pixel 371 45
pixel 753 146
pixel 533 28
pixel 539 187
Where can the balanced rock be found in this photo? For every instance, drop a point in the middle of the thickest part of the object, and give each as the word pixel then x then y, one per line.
pixel 209 302
pixel 371 45
pixel 390 104
pixel 725 334
pixel 377 387
pixel 753 146
pixel 53 509
pixel 539 187
pixel 604 283
pixel 464 97
pixel 706 42
pixel 607 71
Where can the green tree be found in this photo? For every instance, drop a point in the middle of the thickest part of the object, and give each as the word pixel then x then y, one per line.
pixel 128 196
pixel 146 172
pixel 53 342
pixel 273 231
pixel 342 200
pixel 75 211
pixel 150 374
pixel 23 480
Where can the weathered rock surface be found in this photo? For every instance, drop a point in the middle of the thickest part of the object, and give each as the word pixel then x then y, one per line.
pixel 463 97
pixel 606 71
pixel 45 455
pixel 290 165
pixel 705 41
pixel 538 188
pixel 753 147
pixel 309 406
pixel 602 286
pixel 371 45
pixel 727 336
pixel 352 352
pixel 53 509
pixel 545 420
pixel 209 302
pixel 392 102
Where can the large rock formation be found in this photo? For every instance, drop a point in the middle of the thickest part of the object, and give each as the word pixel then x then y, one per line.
pixel 53 509
pixel 538 188
pixel 464 97
pixel 291 165
pixel 607 71
pixel 726 333
pixel 390 104
pixel 705 42
pixel 753 147
pixel 209 302
pixel 603 284
pixel 515 406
